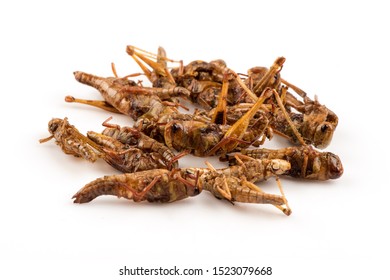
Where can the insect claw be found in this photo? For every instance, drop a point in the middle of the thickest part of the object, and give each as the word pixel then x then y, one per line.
pixel 231 202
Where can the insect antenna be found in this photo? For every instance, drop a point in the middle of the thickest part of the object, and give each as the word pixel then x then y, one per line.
pixel 46 139
pixel 113 68
pixel 281 106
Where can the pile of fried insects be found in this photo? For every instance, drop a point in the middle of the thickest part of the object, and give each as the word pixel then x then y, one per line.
pixel 234 115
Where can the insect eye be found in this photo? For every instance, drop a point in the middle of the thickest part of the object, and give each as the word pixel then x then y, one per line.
pixel 335 166
pixel 175 128
pixel 275 166
pixel 53 125
pixel 324 128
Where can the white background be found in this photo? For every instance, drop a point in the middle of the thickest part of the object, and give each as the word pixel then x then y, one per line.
pixel 336 50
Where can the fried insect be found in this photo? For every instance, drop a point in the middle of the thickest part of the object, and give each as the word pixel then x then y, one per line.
pixel 161 185
pixel 157 185
pixel 127 158
pixel 223 184
pixel 306 162
pixel 135 139
pixel 139 153
pixel 70 140
pixel 314 121
pixel 122 95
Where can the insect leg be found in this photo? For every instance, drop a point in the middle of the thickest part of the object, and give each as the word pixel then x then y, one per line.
pixel 237 130
pixel 222 187
pixel 286 115
pixel 176 158
pixel 219 116
pixel 275 69
pixel 110 125
pixel 138 196
pixel 131 51
pixel 284 208
pixel 295 88
pixel 96 103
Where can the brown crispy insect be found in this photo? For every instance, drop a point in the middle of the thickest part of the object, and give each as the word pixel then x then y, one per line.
pixel 306 162
pixel 70 139
pixel 157 185
pixel 123 97
pixel 142 154
pixel 314 121
pixel 161 185
pixel 134 138
pixel 126 158
pixel 223 184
